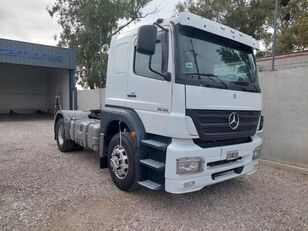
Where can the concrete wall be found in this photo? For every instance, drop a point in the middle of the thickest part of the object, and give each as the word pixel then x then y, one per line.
pixel 90 99
pixel 26 89
pixel 285 107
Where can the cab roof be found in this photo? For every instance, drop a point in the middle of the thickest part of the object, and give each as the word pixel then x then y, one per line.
pixel 189 19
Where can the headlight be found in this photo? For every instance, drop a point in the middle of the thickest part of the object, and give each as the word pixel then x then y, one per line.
pixel 189 165
pixel 256 153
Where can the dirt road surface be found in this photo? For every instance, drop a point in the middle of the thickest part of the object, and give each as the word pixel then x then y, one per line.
pixel 43 189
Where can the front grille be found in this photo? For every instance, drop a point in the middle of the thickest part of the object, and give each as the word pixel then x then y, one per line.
pixel 213 125
pixel 216 143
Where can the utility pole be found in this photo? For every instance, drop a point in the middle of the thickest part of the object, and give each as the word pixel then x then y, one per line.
pixel 274 35
pixel 100 57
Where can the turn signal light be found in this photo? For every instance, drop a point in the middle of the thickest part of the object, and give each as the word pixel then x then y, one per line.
pixel 133 134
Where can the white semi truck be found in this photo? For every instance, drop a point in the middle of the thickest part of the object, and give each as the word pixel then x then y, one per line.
pixel 182 108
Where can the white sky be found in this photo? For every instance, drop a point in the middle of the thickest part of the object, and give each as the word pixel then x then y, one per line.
pixel 28 20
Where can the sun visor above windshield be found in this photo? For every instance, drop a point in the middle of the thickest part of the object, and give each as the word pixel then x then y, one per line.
pixel 189 19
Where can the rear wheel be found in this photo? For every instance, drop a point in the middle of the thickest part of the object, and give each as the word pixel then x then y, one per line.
pixel 64 145
pixel 121 159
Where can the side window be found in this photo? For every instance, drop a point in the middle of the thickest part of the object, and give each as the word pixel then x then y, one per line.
pixel 158 60
pixel 121 59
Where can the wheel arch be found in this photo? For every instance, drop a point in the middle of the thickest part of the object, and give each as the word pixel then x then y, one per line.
pixel 128 118
pixel 113 128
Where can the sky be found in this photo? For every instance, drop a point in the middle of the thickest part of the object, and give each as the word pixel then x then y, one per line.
pixel 28 20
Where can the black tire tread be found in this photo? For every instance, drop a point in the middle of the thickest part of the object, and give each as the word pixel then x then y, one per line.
pixel 68 145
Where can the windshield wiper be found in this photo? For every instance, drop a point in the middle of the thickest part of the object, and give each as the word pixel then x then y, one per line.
pixel 209 75
pixel 245 83
pixel 195 57
pixel 197 67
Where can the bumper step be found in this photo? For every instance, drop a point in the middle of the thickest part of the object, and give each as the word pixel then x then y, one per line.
pixel 159 166
pixel 150 185
pixel 155 144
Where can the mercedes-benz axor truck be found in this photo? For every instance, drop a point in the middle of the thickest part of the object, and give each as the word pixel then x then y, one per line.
pixel 182 107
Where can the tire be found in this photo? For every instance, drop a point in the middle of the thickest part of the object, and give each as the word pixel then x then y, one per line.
pixel 64 145
pixel 77 147
pixel 124 180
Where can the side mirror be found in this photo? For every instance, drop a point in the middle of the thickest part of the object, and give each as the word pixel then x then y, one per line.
pixel 147 39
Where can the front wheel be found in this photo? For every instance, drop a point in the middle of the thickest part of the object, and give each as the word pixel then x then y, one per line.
pixel 121 159
pixel 64 145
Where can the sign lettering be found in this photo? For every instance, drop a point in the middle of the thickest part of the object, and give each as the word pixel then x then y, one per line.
pixel 31 55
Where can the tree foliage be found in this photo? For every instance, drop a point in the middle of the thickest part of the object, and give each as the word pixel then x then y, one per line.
pixel 292 31
pixel 255 18
pixel 81 22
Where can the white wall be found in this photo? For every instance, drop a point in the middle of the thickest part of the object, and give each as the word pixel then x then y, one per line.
pixel 26 89
pixel 285 107
pixel 90 99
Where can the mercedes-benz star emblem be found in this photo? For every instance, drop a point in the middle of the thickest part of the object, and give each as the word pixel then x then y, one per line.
pixel 234 120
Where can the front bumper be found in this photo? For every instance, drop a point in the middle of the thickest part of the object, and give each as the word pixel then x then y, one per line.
pixel 215 169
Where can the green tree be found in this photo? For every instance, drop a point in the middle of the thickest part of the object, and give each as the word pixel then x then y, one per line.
pixel 81 22
pixel 249 17
pixel 255 18
pixel 292 30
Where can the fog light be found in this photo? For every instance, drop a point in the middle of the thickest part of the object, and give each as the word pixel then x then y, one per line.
pixel 256 153
pixel 189 165
pixel 189 184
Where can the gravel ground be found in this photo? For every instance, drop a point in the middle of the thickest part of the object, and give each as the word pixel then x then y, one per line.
pixel 43 189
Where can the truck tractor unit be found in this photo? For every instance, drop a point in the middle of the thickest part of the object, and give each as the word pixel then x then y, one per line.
pixel 182 107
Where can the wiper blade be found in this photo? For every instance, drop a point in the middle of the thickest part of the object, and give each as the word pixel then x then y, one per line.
pixel 195 57
pixel 209 75
pixel 245 83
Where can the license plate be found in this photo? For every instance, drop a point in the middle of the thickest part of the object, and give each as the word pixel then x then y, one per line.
pixel 232 155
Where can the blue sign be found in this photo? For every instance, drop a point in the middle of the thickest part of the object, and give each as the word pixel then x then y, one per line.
pixel 31 55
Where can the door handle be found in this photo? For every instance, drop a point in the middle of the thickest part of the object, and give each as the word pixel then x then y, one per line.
pixel 132 95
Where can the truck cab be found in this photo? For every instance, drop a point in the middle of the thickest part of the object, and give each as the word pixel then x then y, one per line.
pixel 182 109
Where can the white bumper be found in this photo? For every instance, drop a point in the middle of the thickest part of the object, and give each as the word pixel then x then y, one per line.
pixel 175 183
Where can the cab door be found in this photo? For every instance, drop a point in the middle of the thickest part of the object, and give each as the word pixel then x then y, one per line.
pixel 147 91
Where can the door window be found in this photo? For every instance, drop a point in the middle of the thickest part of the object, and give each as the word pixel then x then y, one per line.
pixel 157 62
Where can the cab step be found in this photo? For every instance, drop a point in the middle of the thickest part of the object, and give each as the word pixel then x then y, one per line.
pixel 155 144
pixel 159 166
pixel 150 185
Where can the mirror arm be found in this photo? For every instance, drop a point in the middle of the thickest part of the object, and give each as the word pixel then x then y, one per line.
pixel 156 24
pixel 167 75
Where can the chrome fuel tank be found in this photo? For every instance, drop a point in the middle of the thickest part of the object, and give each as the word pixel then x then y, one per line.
pixel 85 132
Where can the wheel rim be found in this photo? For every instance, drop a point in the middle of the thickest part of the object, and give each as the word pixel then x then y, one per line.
pixel 119 162
pixel 61 134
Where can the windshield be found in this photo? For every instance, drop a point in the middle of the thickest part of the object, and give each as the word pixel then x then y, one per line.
pixel 205 59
